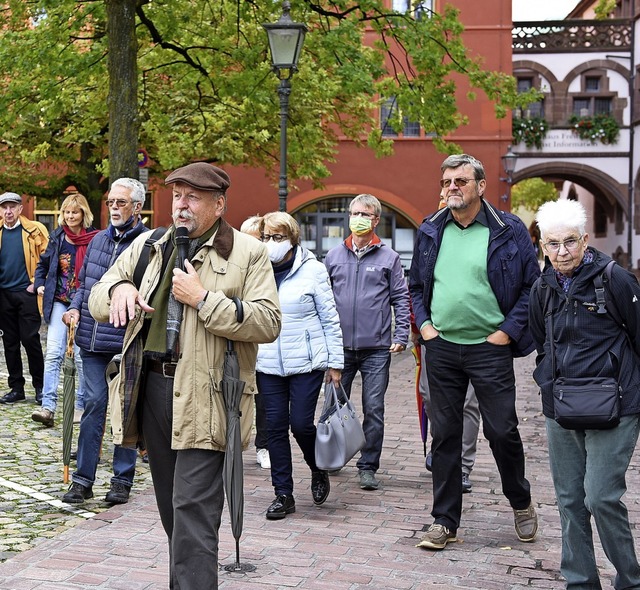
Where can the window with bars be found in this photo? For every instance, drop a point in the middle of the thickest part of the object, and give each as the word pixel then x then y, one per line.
pixel 390 111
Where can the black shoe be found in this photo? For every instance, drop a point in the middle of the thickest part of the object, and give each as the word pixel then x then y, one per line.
pixel 118 493
pixel 320 486
pixel 466 483
pixel 77 494
pixel 39 395
pixel 428 461
pixel 280 507
pixel 73 455
pixel 12 397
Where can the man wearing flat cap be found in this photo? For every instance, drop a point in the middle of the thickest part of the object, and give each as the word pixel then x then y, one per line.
pixel 183 420
pixel 22 241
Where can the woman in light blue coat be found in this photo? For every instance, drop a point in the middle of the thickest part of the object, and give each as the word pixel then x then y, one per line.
pixel 291 370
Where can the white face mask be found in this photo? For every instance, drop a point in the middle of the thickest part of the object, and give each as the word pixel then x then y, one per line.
pixel 278 250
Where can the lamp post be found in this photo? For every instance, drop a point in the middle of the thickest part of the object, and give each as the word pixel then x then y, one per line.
pixel 285 42
pixel 509 165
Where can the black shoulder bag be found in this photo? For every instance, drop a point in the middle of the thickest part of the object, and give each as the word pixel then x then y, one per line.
pixel 582 403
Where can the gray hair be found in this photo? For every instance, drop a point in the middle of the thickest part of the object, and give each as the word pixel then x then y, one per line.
pixel 458 160
pixel 561 214
pixel 367 200
pixel 137 189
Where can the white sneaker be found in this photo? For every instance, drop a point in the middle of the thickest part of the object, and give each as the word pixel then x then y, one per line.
pixel 263 459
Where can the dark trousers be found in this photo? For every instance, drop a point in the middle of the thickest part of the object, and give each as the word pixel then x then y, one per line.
pixel 189 492
pixel 262 437
pixel 20 322
pixel 290 401
pixel 490 370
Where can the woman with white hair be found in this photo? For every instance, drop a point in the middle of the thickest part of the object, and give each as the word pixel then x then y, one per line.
pixel 582 338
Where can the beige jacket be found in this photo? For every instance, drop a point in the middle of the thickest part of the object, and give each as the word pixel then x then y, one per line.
pixel 230 264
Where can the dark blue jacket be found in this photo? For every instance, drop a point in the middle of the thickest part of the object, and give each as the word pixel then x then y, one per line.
pixel 101 254
pixel 47 270
pixel 512 268
pixel 588 343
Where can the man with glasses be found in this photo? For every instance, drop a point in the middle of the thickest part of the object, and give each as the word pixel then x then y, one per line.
pixel 471 273
pixel 368 284
pixel 99 342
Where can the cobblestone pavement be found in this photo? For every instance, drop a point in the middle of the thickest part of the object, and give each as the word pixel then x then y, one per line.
pixel 356 540
pixel 31 475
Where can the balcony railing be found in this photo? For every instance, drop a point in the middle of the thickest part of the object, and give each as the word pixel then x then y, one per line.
pixel 572 35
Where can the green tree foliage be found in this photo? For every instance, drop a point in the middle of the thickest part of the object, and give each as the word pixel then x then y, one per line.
pixel 206 90
pixel 531 193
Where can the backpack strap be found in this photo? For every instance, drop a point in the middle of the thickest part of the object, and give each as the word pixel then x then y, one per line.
pixel 143 261
pixel 601 300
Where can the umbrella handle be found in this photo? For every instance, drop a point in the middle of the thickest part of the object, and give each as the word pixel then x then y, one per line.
pixel 71 338
pixel 239 309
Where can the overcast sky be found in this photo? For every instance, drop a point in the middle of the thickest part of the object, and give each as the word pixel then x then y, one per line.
pixel 542 9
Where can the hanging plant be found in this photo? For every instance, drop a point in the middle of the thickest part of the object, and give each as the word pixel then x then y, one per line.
pixel 603 128
pixel 530 131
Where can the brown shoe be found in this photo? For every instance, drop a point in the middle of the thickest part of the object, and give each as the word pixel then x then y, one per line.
pixel 43 416
pixel 526 522
pixel 437 537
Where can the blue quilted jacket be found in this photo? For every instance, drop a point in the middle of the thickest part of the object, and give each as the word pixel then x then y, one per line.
pixel 101 254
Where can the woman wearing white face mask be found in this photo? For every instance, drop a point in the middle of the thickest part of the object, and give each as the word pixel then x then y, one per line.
pixel 290 371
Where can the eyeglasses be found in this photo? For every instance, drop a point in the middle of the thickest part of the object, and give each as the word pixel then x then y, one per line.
pixel 569 244
pixel 119 203
pixel 362 214
pixel 459 182
pixel 275 237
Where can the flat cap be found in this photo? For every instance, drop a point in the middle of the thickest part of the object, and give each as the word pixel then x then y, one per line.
pixel 10 198
pixel 201 175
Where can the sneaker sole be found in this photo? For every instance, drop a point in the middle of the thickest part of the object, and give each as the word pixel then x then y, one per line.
pixel 527 539
pixel 436 546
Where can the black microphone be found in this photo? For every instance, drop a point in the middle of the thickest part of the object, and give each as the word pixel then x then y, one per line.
pixel 182 244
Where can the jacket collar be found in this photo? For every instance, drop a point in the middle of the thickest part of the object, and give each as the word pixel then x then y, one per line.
pixel 223 240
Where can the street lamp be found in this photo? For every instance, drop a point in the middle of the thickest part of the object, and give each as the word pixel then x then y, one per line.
pixel 509 165
pixel 285 42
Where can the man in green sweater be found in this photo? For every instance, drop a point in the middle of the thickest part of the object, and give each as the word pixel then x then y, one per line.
pixel 471 273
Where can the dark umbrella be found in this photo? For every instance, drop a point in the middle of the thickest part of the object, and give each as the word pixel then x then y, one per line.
pixel 68 402
pixel 232 388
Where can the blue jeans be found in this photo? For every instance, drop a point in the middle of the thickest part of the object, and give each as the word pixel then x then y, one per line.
pixel 57 335
pixel 489 368
pixel 373 364
pixel 290 401
pixel 92 427
pixel 588 469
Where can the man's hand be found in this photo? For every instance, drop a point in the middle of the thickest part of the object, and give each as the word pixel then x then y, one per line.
pixel 124 299
pixel 428 332
pixel 71 317
pixel 31 288
pixel 396 347
pixel 499 338
pixel 186 286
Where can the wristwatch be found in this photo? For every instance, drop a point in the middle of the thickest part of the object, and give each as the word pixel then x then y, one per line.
pixel 201 303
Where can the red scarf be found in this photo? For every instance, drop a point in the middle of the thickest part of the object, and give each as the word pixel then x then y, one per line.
pixel 80 241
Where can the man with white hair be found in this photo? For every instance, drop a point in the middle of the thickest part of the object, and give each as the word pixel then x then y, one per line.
pixel 582 334
pixel 22 241
pixel 99 342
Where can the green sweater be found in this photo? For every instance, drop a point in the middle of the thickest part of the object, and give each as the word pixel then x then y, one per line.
pixel 464 308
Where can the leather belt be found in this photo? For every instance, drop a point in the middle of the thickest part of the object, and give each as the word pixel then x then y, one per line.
pixel 167 370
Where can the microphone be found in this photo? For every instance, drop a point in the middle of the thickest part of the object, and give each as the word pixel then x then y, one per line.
pixel 182 244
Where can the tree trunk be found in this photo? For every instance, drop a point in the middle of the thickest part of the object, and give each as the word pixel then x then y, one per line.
pixel 124 123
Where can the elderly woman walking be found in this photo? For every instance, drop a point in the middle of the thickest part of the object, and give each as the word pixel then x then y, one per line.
pixel 584 335
pixel 56 280
pixel 290 370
